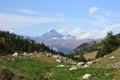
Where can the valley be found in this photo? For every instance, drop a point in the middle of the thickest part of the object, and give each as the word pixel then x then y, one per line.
pixel 59 40
pixel 38 62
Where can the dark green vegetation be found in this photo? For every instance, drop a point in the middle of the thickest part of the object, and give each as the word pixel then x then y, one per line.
pixel 10 42
pixel 109 44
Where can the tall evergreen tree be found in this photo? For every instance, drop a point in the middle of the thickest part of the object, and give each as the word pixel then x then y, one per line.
pixel 109 44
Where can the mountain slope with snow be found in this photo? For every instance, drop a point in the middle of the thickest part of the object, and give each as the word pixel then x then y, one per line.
pixel 53 34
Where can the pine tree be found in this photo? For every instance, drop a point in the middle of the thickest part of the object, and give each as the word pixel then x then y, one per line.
pixel 109 44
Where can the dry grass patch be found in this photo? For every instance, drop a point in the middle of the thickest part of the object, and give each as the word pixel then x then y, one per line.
pixel 91 55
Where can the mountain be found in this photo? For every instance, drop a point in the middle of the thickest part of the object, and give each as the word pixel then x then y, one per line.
pixel 59 42
pixel 53 34
pixel 62 45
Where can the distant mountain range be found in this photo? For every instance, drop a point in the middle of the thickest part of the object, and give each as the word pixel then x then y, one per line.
pixel 59 42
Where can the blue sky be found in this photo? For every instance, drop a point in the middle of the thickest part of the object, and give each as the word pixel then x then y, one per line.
pixel 81 18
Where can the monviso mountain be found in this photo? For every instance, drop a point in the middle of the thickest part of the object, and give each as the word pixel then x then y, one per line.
pixel 53 34
pixel 60 42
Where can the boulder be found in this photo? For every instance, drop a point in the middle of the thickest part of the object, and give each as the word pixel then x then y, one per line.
pixel 15 54
pixel 112 57
pixel 79 64
pixel 86 76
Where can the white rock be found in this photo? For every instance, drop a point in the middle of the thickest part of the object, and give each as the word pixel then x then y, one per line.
pixel 61 66
pixel 54 56
pixel 48 54
pixel 58 60
pixel 73 68
pixel 90 62
pixel 30 54
pixel 80 64
pixel 86 65
pixel 15 54
pixel 25 53
pixel 104 56
pixel 112 57
pixel 86 76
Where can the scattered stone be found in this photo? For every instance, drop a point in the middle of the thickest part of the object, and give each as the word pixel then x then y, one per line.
pixel 25 53
pixel 86 65
pixel 79 64
pixel 116 65
pixel 112 57
pixel 86 76
pixel 15 54
pixel 58 60
pixel 73 68
pixel 90 62
pixel 61 66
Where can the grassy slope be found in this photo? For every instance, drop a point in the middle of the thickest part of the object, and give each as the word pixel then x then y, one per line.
pixel 107 62
pixel 65 74
pixel 38 70
pixel 45 67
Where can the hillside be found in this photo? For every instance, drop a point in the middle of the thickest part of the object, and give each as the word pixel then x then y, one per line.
pixel 108 60
pixel 111 60
pixel 46 68
pixel 10 43
pixel 87 47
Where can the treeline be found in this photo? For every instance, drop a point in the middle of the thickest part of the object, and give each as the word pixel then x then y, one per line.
pixel 109 44
pixel 10 42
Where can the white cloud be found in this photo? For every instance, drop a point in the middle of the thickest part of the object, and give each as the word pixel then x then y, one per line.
pixel 115 27
pixel 22 10
pixel 92 33
pixel 62 31
pixel 26 11
pixel 93 10
pixel 108 13
pixel 98 20
pixel 21 20
pixel 81 33
pixel 60 15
